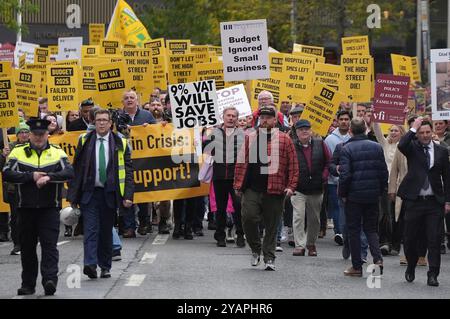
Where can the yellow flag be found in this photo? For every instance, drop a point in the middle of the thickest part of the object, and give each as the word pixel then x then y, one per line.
pixel 125 26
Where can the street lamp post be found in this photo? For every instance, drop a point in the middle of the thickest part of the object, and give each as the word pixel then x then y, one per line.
pixel 19 22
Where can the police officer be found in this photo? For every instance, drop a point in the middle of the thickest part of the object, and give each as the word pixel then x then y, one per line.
pixel 39 169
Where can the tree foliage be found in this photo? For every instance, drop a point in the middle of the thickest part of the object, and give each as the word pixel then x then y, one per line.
pixel 316 22
pixel 9 9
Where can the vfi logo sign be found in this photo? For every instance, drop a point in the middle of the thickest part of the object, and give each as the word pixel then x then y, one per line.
pixel 74 19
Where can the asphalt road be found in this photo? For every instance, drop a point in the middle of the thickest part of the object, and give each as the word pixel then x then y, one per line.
pixel 156 266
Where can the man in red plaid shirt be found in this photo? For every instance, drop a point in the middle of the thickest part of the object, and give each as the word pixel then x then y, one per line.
pixel 266 172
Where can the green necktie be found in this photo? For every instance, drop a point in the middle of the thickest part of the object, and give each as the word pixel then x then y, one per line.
pixel 102 162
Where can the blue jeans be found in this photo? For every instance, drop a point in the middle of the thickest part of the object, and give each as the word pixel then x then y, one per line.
pixel 344 228
pixel 98 221
pixel 117 243
pixel 333 207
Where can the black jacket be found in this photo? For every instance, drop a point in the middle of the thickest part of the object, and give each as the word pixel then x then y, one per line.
pixel 21 164
pixel 225 154
pixel 438 175
pixel 363 171
pixel 77 125
pixel 82 186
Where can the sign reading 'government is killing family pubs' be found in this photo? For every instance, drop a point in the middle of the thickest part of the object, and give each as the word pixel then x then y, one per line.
pixel 245 50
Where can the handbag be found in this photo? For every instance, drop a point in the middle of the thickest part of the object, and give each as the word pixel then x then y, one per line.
pixel 206 171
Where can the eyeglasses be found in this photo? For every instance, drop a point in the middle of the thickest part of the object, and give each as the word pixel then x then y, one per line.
pixel 101 120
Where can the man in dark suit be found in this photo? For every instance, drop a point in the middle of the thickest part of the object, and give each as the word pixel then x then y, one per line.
pixel 82 123
pixel 103 183
pixel 425 191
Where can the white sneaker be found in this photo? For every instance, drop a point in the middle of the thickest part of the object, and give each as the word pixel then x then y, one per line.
pixel 279 248
pixel 284 234
pixel 269 265
pixel 230 237
pixel 256 259
pixel 330 224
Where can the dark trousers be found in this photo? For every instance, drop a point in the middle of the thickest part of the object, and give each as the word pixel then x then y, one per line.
pixel 15 219
pixel 128 218
pixel 143 215
pixel 385 220
pixel 288 213
pixel 222 190
pixel 4 219
pixel 323 211
pixel 430 215
pixel 184 211
pixel 98 223
pixel 39 224
pixel 199 214
pixel 398 231
pixel 358 214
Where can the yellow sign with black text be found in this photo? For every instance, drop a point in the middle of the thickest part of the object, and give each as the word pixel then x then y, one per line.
pixel 358 45
pixel 96 33
pixel 111 81
pixel 27 91
pixel 63 87
pixel 358 77
pixel 8 103
pixel 181 68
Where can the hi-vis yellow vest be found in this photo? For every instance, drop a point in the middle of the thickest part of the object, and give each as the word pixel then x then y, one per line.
pixel 121 163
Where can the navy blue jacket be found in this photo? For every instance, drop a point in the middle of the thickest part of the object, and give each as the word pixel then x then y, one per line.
pixel 363 171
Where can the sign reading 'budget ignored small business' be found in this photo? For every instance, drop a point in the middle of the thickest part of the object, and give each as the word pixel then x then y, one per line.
pixel 245 50
pixel 194 104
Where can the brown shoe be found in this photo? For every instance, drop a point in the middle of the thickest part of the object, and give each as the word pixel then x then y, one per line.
pixel 298 251
pixel 322 233
pixel 353 272
pixel 422 262
pixel 312 250
pixel 129 233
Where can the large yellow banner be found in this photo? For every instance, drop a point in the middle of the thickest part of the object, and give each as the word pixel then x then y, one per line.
pixel 165 163
pixel 125 26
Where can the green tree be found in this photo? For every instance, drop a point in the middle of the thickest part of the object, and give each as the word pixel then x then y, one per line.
pixel 9 9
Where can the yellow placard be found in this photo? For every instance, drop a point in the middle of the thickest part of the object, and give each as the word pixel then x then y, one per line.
pixel 109 48
pixel 319 59
pixel 170 177
pixel 406 66
pixel 139 68
pixel 88 87
pixel 90 51
pixel 53 49
pixel 321 108
pixel 273 85
pixel 96 33
pixel 111 81
pixel 215 50
pixel 308 49
pixel 66 62
pixel 41 55
pixel 159 63
pixel 22 61
pixel 181 68
pixel 42 69
pixel 276 62
pixel 178 47
pixel 357 77
pixel 211 71
pixel 358 45
pixel 5 68
pixel 8 103
pixel 330 75
pixel 158 46
pixel 201 53
pixel 63 87
pixel 27 91
pixel 298 78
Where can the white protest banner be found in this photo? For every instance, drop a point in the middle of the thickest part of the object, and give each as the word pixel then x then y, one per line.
pixel 245 50
pixel 24 48
pixel 233 96
pixel 194 104
pixel 69 48
pixel 440 84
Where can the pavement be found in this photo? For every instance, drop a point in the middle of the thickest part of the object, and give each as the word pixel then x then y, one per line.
pixel 159 267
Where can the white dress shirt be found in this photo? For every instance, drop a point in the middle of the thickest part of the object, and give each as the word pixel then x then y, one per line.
pixel 97 159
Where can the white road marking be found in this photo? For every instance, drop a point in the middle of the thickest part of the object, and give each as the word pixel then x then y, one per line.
pixel 160 239
pixel 135 280
pixel 148 258
pixel 63 242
